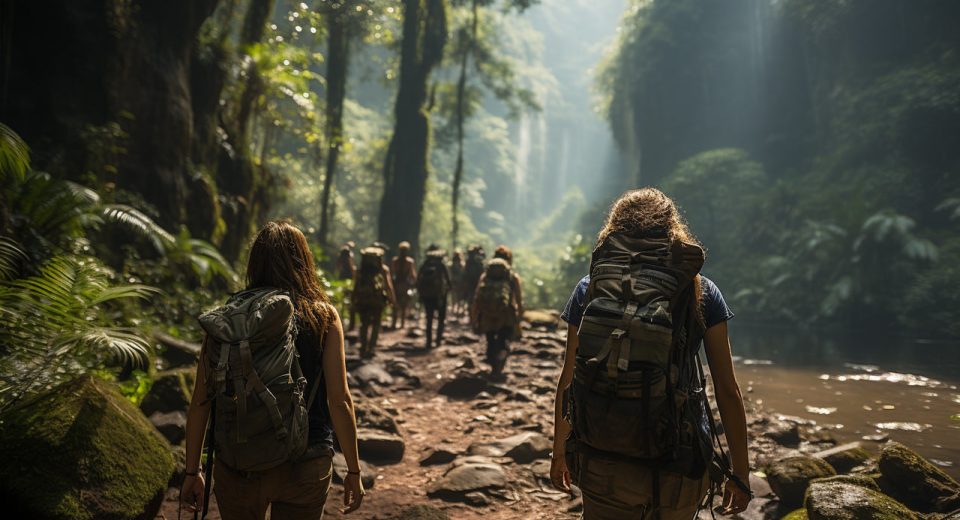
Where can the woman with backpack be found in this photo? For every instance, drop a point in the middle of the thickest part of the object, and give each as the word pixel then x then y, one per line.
pixel 497 308
pixel 632 425
pixel 284 465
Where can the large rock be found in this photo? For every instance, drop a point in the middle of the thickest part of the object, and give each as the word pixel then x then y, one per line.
pixel 172 425
pixel 789 477
pixel 913 480
pixel 170 392
pixel 380 446
pixel 82 452
pixel 523 448
pixel 438 455
pixel 464 478
pixel 845 457
pixel 836 500
pixel 371 416
pixel 542 318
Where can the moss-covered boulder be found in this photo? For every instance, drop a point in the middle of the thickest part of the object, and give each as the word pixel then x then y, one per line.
pixel 865 481
pixel 790 476
pixel 916 482
pixel 845 457
pixel 797 514
pixel 170 392
pixel 837 500
pixel 82 452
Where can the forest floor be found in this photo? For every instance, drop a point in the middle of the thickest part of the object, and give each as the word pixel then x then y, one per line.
pixel 406 382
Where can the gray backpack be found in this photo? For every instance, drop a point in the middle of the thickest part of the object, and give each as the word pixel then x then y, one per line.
pixel 260 416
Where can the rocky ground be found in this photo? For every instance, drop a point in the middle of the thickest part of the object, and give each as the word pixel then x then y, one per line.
pixel 441 440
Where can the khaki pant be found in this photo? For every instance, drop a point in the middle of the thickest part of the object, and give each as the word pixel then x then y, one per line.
pixel 622 490
pixel 292 491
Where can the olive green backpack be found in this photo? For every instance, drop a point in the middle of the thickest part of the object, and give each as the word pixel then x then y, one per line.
pixel 495 297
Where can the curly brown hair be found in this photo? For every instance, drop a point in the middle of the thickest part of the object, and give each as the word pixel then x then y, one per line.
pixel 649 209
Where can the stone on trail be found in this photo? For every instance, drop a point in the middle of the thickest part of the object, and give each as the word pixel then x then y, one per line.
pixel 368 474
pixel 790 476
pixel 542 318
pixel 463 386
pixel 797 514
pixel 421 512
pixel 845 457
pixel 170 392
pixel 438 455
pixel 371 416
pixel 911 479
pixel 172 425
pixel 522 448
pixel 468 477
pixel 82 451
pixel 835 500
pixel 372 373
pixel 380 446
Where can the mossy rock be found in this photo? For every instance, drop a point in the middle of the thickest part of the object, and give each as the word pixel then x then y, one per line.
pixel 170 392
pixel 790 476
pixel 797 514
pixel 864 481
pixel 82 452
pixel 846 457
pixel 837 500
pixel 916 482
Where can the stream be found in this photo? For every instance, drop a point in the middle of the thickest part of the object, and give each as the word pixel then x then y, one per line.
pixel 868 389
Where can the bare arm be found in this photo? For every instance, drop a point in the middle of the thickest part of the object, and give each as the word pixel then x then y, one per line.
pixel 338 395
pixel 729 398
pixel 518 293
pixel 413 270
pixel 391 295
pixel 342 413
pixel 561 428
pixel 197 414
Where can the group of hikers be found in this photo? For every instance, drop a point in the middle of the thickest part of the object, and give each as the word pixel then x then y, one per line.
pixel 489 292
pixel 633 428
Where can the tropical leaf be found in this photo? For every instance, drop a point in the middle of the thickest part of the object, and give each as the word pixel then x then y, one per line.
pixel 14 155
pixel 140 223
pixel 11 257
pixel 951 206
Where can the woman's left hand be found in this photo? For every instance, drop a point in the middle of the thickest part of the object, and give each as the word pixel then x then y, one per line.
pixel 352 493
pixel 735 500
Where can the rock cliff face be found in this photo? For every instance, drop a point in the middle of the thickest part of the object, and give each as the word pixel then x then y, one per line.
pixel 127 93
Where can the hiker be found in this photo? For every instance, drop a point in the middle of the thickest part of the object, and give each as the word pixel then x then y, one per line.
pixel 472 270
pixel 433 286
pixel 346 270
pixel 456 283
pixel 631 426
pixel 497 308
pixel 276 385
pixel 404 281
pixel 372 292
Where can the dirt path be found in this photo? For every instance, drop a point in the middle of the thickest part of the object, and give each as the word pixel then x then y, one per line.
pixel 427 419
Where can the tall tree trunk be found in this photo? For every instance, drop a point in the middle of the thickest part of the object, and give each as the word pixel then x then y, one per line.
pixel 405 168
pixel 461 101
pixel 338 55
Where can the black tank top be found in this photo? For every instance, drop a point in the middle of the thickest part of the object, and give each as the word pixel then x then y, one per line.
pixel 308 347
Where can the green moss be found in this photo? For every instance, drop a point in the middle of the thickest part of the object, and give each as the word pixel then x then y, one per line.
pixel 863 481
pixel 838 500
pixel 83 452
pixel 797 514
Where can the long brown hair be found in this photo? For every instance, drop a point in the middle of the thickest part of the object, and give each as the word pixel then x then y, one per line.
pixel 281 258
pixel 649 209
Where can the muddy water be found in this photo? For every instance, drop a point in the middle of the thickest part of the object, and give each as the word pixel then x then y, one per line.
pixel 870 390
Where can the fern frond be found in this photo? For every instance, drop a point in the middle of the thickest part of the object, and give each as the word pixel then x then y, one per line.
pixel 137 221
pixel 14 155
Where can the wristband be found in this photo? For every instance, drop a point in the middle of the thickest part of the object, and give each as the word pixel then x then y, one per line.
pixel 353 472
pixel 192 473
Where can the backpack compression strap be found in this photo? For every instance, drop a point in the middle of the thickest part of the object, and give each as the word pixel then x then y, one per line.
pixel 254 382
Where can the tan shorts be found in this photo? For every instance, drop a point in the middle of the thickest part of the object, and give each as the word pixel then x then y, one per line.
pixel 623 490
pixel 292 491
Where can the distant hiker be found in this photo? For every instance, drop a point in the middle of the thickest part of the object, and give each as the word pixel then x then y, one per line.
pixel 275 384
pixel 404 281
pixel 472 270
pixel 631 426
pixel 372 292
pixel 460 298
pixel 497 308
pixel 433 286
pixel 346 268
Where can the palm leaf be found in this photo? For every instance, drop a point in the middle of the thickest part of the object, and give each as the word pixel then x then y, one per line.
pixel 14 155
pixel 137 221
